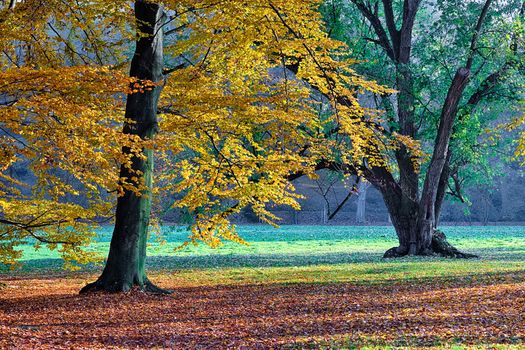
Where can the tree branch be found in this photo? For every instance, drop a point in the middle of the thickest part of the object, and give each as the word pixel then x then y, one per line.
pixel 374 20
pixel 475 35
pixel 341 205
pixel 391 25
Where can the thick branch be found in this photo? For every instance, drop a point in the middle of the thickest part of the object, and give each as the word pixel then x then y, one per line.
pixel 410 9
pixel 442 187
pixel 391 25
pixel 448 116
pixel 439 156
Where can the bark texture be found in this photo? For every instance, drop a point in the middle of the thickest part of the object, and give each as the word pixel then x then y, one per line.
pixel 415 211
pixel 125 266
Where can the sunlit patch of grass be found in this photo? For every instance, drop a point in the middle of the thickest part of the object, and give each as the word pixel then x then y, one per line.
pixel 296 254
pixel 366 273
pixel 366 344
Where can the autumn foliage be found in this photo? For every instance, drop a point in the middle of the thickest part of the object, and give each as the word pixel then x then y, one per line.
pixel 438 313
pixel 235 122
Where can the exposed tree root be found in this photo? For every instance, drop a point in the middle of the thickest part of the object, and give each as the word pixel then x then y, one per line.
pixel 153 289
pixel 439 247
pixel 123 287
pixel 395 252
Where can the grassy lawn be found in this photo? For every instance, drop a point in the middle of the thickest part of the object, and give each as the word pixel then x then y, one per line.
pixel 310 247
pixel 295 287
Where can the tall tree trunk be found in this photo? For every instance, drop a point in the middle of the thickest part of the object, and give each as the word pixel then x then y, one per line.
pixel 427 211
pixel 360 216
pixel 125 266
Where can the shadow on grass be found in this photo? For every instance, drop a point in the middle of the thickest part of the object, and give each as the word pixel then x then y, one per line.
pixel 261 260
pixel 214 261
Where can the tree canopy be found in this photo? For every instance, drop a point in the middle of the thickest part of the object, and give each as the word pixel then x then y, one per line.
pixel 234 122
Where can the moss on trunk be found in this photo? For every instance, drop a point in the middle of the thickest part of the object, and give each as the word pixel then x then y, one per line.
pixel 125 266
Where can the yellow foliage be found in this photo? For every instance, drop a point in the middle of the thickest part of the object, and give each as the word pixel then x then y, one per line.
pixel 235 122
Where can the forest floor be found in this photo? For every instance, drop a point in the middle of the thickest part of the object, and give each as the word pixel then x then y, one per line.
pixel 315 288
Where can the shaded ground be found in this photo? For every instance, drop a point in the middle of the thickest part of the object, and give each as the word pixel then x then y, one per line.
pixel 46 312
pixel 297 245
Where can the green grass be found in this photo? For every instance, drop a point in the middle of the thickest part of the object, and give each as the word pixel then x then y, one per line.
pixel 316 252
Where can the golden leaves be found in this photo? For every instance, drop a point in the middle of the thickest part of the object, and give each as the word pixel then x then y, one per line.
pixel 262 93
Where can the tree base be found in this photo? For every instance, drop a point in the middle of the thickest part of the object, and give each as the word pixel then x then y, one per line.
pixel 439 247
pixel 123 287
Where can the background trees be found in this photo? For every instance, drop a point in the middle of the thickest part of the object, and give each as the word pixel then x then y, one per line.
pixel 59 108
pixel 454 64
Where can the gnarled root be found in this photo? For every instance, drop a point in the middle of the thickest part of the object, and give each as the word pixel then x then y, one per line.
pixel 123 287
pixel 439 247
pixel 395 252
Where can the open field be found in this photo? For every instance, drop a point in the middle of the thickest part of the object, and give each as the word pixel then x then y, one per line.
pixel 317 287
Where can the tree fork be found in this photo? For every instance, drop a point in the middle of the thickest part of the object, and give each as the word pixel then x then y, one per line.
pixel 125 266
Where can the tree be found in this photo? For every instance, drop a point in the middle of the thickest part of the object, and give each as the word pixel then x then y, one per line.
pixel 208 94
pixel 57 111
pixel 125 266
pixel 361 202
pixel 468 59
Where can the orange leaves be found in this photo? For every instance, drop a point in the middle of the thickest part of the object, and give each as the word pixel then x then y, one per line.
pixel 140 86
pixel 48 313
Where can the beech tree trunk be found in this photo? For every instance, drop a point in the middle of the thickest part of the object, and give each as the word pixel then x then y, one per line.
pixel 360 216
pixel 125 266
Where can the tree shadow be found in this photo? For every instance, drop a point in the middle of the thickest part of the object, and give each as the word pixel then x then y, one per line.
pixel 39 266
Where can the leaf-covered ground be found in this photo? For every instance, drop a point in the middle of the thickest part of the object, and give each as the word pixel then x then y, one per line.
pixel 40 312
pixel 279 298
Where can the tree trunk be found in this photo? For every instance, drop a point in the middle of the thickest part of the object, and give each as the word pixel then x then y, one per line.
pixel 403 212
pixel 405 215
pixel 125 266
pixel 361 202
pixel 442 188
pixel 427 218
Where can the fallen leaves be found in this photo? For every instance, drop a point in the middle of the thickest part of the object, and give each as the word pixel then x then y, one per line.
pixel 40 312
